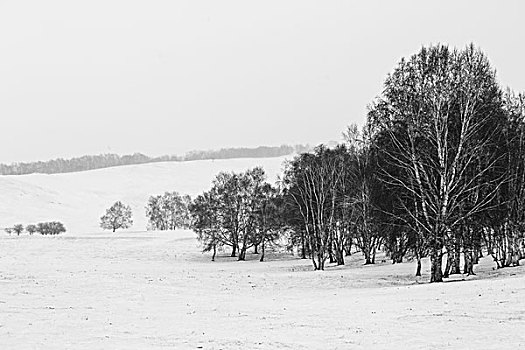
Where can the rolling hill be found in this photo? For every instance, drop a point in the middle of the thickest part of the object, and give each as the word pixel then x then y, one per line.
pixel 79 199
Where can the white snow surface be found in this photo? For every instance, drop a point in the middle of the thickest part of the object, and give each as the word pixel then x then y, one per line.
pixel 155 290
pixel 80 199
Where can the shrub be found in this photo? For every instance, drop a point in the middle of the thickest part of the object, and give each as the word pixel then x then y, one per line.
pixel 50 228
pixel 31 229
pixel 18 229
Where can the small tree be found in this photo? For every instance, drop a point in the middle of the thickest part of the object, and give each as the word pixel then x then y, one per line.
pixel 168 211
pixel 8 230
pixel 56 227
pixel 18 229
pixel 50 228
pixel 42 228
pixel 118 216
pixel 31 229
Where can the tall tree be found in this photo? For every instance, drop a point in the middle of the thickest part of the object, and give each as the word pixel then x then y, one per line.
pixel 441 114
pixel 206 224
pixel 312 182
pixel 505 225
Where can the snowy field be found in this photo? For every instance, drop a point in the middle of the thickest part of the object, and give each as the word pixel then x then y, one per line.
pixel 90 289
pixel 157 291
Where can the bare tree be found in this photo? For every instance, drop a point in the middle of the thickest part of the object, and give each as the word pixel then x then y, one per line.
pixel 440 113
pixel 31 229
pixel 233 213
pixel 117 216
pixel 18 229
pixel 312 182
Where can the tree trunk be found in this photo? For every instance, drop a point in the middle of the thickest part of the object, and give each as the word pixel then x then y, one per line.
pixel 469 263
pixel 456 270
pixel 311 251
pixel 234 251
pixel 330 251
pixel 321 261
pixel 515 261
pixel 339 255
pixel 475 256
pixel 303 246
pixel 214 252
pixel 368 257
pixel 314 262
pixel 436 259
pixel 255 247
pixel 320 258
pixel 418 269
pixel 242 254
pixel 448 266
pixel 263 251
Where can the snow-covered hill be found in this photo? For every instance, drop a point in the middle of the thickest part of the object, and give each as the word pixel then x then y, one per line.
pixel 79 199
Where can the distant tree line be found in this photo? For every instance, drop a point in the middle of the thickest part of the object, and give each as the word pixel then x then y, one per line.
pixel 85 163
pixel 44 228
pixel 243 152
pixel 438 171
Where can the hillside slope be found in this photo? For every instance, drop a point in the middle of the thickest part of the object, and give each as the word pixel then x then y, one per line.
pixel 79 199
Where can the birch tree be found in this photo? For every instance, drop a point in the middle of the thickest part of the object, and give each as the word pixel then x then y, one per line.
pixel 440 111
pixel 235 212
pixel 312 182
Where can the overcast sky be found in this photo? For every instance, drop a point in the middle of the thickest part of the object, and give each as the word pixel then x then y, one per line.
pixel 166 77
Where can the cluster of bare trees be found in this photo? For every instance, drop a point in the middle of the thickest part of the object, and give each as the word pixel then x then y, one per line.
pixel 448 146
pixel 44 228
pixel 503 228
pixel 328 193
pixel 169 211
pixel 438 171
pixel 334 202
pixel 239 211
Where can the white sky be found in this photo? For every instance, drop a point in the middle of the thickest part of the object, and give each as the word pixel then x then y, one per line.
pixel 165 77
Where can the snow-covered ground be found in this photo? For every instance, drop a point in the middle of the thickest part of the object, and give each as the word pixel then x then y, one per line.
pixel 80 199
pixel 155 290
